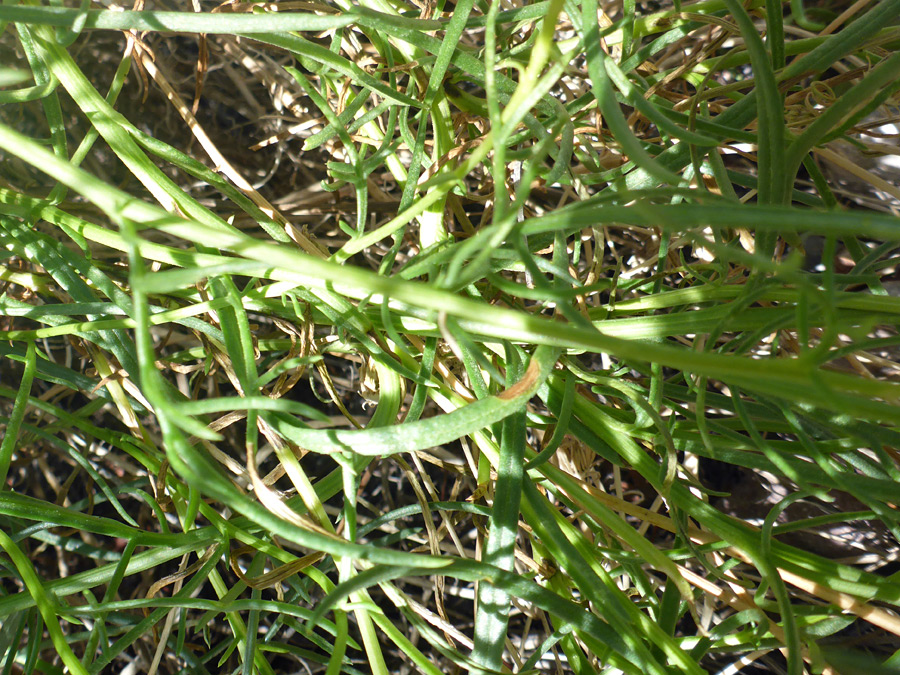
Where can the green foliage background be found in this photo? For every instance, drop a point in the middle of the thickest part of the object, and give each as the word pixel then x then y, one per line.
pixel 467 363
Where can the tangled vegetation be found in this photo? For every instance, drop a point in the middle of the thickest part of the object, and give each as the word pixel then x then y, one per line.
pixel 449 337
